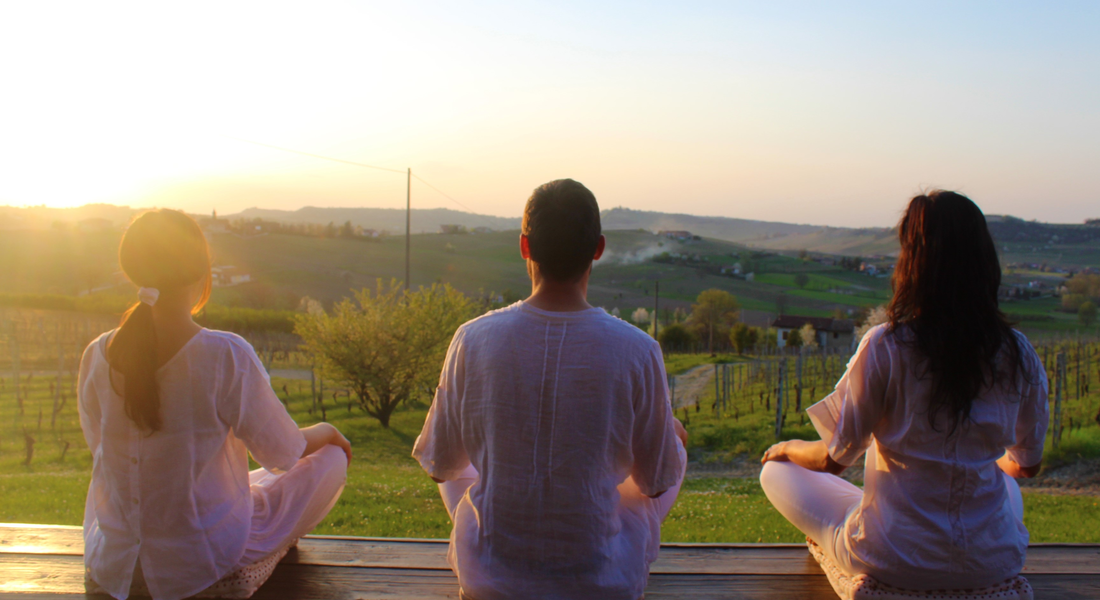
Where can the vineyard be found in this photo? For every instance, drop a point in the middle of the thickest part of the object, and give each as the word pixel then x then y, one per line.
pixel 753 401
pixel 738 406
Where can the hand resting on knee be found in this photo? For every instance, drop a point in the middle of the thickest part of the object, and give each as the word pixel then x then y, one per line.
pixel 322 434
pixel 808 455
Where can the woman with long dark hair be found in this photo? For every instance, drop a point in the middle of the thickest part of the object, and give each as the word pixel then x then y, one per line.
pixel 170 411
pixel 948 402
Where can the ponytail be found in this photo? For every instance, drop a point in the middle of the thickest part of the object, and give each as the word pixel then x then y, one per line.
pixel 164 252
pixel 132 351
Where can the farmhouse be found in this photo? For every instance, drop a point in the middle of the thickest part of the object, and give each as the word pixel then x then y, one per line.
pixel 229 275
pixel 831 333
pixel 676 235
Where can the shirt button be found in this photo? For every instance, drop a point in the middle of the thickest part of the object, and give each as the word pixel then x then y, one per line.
pixel 133 460
pixel 135 500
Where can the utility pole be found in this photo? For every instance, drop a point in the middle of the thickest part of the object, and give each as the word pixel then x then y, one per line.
pixel 408 222
pixel 656 307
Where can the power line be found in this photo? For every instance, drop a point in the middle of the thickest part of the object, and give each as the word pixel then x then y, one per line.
pixel 339 160
pixel 442 193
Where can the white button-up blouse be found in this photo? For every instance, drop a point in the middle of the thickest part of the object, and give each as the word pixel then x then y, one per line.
pixel 932 501
pixel 179 499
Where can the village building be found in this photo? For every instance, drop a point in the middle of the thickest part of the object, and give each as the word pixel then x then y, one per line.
pixel 676 235
pixel 830 332
pixel 229 275
pixel 214 225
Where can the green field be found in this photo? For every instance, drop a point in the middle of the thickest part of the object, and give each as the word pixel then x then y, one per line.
pixel 388 495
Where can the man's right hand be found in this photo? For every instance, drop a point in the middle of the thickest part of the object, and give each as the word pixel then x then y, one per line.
pixel 680 431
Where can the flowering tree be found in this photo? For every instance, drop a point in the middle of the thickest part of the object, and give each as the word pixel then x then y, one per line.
pixel 387 345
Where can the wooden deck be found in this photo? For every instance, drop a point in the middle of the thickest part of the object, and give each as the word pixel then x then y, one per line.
pixel 46 562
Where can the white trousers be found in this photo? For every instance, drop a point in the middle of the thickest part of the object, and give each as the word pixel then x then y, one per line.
pixel 818 504
pixel 289 505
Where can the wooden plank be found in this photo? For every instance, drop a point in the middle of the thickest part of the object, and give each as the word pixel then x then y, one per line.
pixel 42 577
pixel 41 539
pixel 713 559
pixel 36 573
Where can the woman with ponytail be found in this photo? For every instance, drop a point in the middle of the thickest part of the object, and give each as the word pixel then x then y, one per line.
pixel 949 405
pixel 171 412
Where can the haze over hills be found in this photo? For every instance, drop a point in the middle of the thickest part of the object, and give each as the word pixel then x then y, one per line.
pixel 1027 237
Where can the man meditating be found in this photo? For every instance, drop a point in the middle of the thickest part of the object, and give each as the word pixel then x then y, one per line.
pixel 551 433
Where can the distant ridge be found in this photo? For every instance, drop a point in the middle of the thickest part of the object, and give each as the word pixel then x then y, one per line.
pixel 771 235
pixel 392 220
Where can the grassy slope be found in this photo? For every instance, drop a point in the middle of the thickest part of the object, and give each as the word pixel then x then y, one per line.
pixel 388 495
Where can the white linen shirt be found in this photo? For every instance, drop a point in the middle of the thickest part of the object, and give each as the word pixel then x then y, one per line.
pixel 179 499
pixel 932 502
pixel 554 410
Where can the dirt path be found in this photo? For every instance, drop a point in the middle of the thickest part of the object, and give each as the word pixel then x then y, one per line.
pixel 691 385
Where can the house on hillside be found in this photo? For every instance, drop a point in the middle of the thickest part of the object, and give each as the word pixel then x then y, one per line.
pixel 370 233
pixel 229 275
pixel 676 235
pixel 831 333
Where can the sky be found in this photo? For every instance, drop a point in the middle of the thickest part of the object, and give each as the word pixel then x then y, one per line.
pixel 830 113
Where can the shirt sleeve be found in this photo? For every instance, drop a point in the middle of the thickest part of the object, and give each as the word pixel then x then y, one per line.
pixel 658 456
pixel 846 418
pixel 91 416
pixel 439 448
pixel 256 415
pixel 1034 414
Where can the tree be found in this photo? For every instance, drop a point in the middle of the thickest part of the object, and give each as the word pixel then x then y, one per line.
pixel 794 339
pixel 1086 314
pixel 640 317
pixel 753 337
pixel 875 316
pixel 714 309
pixel 386 346
pixel 739 337
pixel 801 279
pixel 808 336
pixel 675 337
pixel 781 303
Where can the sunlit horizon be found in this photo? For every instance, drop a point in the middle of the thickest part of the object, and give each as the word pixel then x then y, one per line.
pixel 793 112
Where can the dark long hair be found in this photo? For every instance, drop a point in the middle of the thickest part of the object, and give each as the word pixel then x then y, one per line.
pixel 945 291
pixel 162 249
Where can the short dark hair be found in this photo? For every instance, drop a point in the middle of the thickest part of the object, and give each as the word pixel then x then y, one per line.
pixel 562 225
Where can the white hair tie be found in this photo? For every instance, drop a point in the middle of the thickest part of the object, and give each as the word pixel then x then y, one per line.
pixel 149 295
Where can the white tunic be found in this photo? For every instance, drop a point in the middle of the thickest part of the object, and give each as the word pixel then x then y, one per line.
pixel 179 498
pixel 932 502
pixel 554 410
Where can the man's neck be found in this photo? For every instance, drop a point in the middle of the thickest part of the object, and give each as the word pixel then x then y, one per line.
pixel 557 296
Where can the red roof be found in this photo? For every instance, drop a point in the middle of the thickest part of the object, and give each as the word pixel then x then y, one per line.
pixel 819 323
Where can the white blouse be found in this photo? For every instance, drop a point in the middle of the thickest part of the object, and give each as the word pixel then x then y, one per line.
pixel 179 499
pixel 554 410
pixel 932 501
